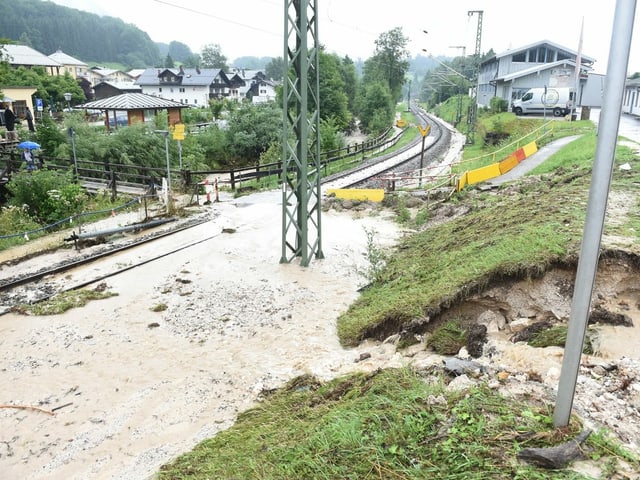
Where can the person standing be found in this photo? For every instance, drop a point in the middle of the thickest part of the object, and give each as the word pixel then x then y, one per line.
pixel 27 156
pixel 29 117
pixel 10 123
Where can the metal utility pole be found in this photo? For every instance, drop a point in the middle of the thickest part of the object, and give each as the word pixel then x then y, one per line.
pixel 301 225
pixel 473 109
pixel 460 47
pixel 596 207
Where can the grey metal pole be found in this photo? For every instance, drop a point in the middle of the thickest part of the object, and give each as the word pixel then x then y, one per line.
pixel 596 207
pixel 166 149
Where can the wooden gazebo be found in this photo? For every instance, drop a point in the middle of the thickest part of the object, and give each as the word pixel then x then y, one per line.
pixel 137 107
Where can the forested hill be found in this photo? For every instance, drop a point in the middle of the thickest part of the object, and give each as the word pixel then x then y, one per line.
pixel 48 27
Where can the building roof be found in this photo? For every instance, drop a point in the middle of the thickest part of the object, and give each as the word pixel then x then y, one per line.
pixel 539 67
pixel 190 76
pixel 61 57
pixel 135 73
pixel 23 55
pixel 132 101
pixel 120 85
pixel 584 58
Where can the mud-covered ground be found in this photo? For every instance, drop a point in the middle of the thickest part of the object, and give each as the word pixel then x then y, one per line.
pixel 127 383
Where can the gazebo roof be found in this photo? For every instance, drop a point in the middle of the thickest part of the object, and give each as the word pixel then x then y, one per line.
pixel 132 101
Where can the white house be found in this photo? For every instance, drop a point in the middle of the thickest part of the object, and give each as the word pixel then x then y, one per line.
pixel 189 86
pixel 74 67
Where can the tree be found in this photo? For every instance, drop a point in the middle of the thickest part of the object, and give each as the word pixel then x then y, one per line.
pixel 333 99
pixel 212 57
pixel 376 106
pixel 350 79
pixel 168 62
pixel 275 69
pixel 192 61
pixel 179 51
pixel 390 62
pixel 252 129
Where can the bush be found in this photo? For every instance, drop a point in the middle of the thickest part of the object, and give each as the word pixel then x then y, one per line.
pixel 498 105
pixel 48 196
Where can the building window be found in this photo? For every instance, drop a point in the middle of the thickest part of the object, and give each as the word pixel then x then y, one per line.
pixel 160 89
pixel 181 89
pixel 542 55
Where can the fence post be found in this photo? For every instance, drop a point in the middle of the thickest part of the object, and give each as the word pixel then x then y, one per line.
pixel 233 179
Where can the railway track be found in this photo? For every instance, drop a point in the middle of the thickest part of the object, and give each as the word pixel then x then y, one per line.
pixel 369 173
pixel 38 284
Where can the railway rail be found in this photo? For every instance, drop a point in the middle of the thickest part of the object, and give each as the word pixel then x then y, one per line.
pixel 38 285
pixel 369 174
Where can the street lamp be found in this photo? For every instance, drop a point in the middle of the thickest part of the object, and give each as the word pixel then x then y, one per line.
pixel 67 97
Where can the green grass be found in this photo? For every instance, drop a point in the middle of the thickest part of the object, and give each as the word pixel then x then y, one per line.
pixel 62 302
pixel 391 424
pixel 515 237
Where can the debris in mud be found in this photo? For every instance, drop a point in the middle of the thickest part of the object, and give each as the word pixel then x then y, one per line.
pixel 603 316
pixel 555 457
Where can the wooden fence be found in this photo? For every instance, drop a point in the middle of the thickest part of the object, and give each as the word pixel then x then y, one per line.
pixel 137 179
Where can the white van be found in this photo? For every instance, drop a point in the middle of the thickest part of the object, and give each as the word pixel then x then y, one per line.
pixel 537 100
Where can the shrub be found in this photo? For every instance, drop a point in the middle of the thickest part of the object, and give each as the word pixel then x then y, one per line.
pixel 48 196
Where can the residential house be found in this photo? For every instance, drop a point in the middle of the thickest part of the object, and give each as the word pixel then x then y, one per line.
pixel 262 91
pixel 510 74
pixel 111 89
pixel 257 87
pixel 135 73
pixel 100 74
pixel 189 86
pixel 23 56
pixel 74 67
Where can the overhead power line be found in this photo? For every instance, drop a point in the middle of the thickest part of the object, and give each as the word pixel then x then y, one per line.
pixel 222 19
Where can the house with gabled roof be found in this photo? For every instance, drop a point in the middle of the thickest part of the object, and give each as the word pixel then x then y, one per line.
pixel 262 91
pixel 74 67
pixel 99 74
pixel 111 89
pixel 510 74
pixel 189 86
pixel 24 56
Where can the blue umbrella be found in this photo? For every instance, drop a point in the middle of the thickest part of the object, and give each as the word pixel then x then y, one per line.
pixel 29 144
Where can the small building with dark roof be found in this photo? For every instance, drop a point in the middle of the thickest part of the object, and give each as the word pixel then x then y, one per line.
pixel 130 108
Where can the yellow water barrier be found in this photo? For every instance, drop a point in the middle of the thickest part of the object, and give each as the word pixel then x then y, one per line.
pixel 484 173
pixel 508 163
pixel 363 194
pixel 530 149
pixel 496 169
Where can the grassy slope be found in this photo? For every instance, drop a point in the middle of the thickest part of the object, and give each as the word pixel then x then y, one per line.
pixel 403 424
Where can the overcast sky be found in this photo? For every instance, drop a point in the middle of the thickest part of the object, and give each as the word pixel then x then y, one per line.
pixel 350 27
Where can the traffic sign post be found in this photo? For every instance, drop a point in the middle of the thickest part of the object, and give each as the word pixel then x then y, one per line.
pixel 424 132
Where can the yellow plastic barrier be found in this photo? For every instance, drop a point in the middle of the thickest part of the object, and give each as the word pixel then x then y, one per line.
pixel 401 123
pixel 508 163
pixel 530 149
pixel 371 194
pixel 483 173
pixel 462 181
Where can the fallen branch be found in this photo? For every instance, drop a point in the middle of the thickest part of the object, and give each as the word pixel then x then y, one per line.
pixel 555 457
pixel 61 406
pixel 29 407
